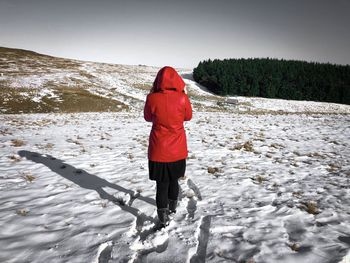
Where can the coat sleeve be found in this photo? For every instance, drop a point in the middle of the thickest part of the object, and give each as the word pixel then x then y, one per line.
pixel 147 114
pixel 188 109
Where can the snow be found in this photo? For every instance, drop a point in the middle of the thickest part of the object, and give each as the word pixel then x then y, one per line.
pixel 38 80
pixel 45 92
pixel 293 106
pixel 266 180
pixel 62 190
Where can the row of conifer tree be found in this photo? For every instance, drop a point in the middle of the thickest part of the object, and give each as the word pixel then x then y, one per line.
pixel 274 78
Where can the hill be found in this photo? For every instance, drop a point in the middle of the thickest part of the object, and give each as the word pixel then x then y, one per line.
pixel 35 83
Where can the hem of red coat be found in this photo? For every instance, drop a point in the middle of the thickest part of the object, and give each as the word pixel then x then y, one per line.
pixel 167 160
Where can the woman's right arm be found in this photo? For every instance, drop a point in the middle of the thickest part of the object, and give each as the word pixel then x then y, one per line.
pixel 188 109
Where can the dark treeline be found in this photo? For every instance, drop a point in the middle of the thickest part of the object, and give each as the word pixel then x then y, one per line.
pixel 273 78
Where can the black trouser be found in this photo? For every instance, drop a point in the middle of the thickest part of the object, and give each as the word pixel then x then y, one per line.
pixel 166 191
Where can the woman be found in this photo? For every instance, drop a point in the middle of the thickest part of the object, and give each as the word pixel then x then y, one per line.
pixel 167 107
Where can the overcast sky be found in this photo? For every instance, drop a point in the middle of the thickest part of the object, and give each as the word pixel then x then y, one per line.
pixel 179 33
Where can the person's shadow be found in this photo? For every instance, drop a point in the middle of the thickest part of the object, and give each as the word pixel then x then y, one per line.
pixel 92 182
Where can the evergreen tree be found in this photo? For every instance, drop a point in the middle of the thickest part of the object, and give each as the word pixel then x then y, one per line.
pixel 273 78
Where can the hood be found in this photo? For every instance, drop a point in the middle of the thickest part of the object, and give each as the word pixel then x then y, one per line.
pixel 168 78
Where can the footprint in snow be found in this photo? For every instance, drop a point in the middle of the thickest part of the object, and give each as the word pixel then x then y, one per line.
pixel 104 252
pixel 195 188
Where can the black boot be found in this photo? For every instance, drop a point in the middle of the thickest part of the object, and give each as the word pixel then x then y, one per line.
pixel 172 206
pixel 163 216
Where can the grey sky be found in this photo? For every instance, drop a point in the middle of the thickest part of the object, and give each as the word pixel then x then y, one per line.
pixel 178 33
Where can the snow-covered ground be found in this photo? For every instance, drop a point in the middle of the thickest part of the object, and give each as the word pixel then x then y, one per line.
pixel 267 180
pixel 292 106
pixel 258 188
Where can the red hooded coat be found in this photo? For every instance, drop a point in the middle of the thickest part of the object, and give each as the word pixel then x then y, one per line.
pixel 167 107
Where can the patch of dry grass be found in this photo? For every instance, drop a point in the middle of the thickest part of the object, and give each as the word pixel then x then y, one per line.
pixel 294 246
pixel 277 145
pixel 17 142
pixel 142 86
pixel 297 194
pixel 15 100
pixel 258 112
pixel 74 141
pixel 333 167
pixel 213 170
pixel 49 146
pixel 42 63
pixel 192 156
pixel 22 212
pixel 245 103
pixel 14 157
pixel 310 207
pixel 81 100
pixel 247 146
pixel 259 179
pixel 28 177
pixel 316 154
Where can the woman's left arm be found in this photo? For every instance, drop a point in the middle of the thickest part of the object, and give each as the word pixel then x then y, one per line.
pixel 147 114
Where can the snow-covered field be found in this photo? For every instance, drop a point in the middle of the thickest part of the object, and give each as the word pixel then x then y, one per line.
pixel 258 188
pixel 267 180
